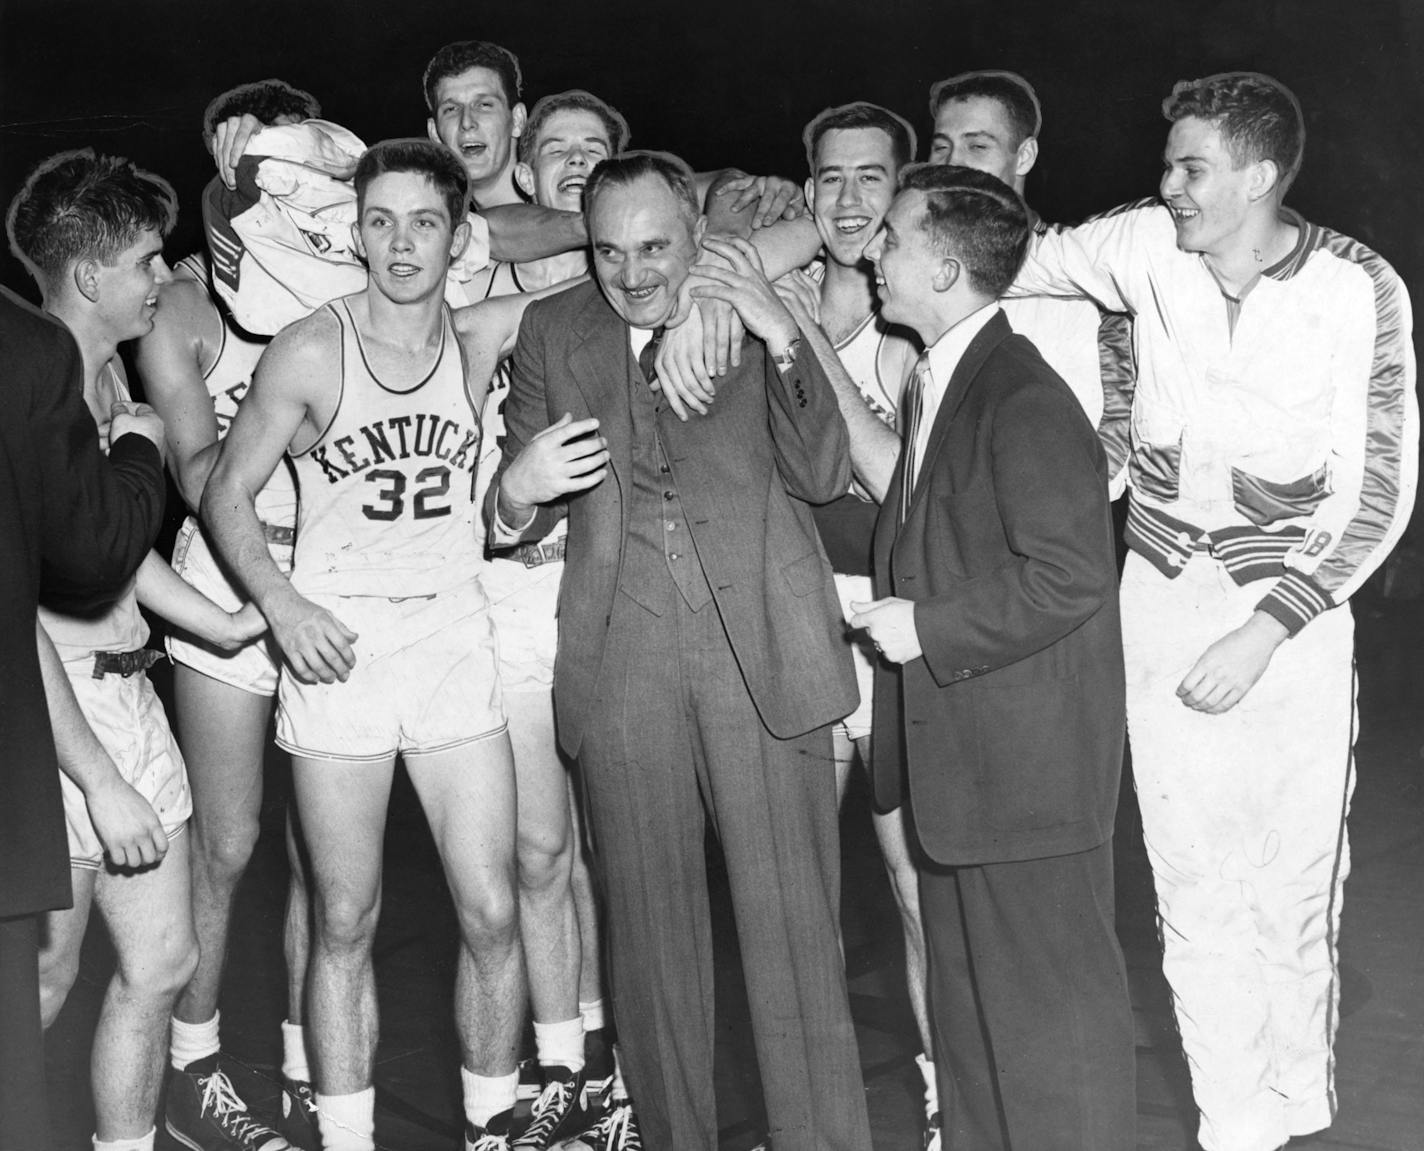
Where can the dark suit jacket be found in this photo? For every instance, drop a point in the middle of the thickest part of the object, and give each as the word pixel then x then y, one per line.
pixel 74 522
pixel 1012 728
pixel 744 473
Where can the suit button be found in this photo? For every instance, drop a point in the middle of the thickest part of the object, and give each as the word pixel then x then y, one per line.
pixel 672 556
pixel 669 495
pixel 671 525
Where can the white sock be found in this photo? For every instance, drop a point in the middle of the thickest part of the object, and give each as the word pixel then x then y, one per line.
pixel 560 1043
pixel 927 1071
pixel 347 1122
pixel 193 1041
pixel 136 1143
pixel 486 1096
pixel 294 1053
pixel 592 1014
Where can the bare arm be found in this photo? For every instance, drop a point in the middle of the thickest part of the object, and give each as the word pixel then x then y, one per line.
pixel 163 591
pixel 170 360
pixel 124 821
pixel 522 232
pixel 296 377
pixel 488 329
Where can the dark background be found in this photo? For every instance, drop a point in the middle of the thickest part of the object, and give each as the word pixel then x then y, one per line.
pixel 733 82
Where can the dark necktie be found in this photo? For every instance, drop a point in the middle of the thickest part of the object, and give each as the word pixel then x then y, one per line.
pixel 914 407
pixel 647 358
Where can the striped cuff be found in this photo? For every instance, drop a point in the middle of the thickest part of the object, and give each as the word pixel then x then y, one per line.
pixel 1294 601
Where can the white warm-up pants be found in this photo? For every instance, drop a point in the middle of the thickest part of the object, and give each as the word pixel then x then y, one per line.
pixel 1244 819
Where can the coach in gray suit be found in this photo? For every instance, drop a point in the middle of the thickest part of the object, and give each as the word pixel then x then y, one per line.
pixel 700 661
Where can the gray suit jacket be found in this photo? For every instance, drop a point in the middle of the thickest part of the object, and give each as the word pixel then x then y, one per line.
pixel 746 473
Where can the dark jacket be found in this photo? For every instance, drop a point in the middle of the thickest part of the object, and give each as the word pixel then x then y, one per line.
pixel 74 525
pixel 1010 729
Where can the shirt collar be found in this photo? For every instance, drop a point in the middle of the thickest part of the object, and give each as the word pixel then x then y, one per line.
pixel 946 352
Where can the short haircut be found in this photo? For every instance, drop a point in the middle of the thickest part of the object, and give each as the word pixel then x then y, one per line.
pixel 79 205
pixel 268 100
pixel 861 114
pixel 1011 90
pixel 459 57
pixel 974 217
pixel 613 122
pixel 1258 117
pixel 424 157
pixel 630 167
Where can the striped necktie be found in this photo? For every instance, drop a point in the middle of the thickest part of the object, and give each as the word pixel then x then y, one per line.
pixel 913 406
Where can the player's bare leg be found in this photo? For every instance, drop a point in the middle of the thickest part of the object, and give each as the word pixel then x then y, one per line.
pixel 342 807
pixel 469 797
pixel 890 831
pixel 299 1114
pixel 548 918
pixel 223 733
pixel 149 919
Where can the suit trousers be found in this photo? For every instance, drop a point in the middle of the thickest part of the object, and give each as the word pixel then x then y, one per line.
pixel 24 1116
pixel 1029 1005
pixel 675 743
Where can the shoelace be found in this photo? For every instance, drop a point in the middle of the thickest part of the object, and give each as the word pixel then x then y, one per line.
pixel 488 1142
pixel 223 1102
pixel 617 1132
pixel 549 1108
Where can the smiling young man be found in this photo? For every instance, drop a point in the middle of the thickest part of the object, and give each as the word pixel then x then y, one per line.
pixel 991 121
pixel 472 89
pixel 1273 467
pixel 1001 727
pixel 385 628
pixel 567 134
pixel 91 229
pixel 855 153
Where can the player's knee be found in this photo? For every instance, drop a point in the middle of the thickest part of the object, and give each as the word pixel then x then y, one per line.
pixel 346 921
pixel 489 918
pixel 545 863
pixel 57 974
pixel 160 969
pixel 222 847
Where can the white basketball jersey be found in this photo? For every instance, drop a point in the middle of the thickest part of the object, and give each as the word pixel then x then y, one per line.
pixel 387 490
pixel 227 380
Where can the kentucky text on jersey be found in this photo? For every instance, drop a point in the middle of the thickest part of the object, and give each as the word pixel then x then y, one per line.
pixel 398 438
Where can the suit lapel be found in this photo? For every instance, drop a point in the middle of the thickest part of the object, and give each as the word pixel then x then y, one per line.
pixel 990 337
pixel 598 362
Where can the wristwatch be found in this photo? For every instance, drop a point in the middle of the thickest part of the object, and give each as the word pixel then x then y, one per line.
pixel 787 356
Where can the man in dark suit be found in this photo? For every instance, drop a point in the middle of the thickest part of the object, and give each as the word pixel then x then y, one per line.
pixel 700 662
pixel 77 524
pixel 996 541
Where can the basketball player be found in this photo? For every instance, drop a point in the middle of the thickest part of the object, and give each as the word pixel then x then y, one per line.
pixel 90 229
pixel 196 366
pixel 385 630
pixel 565 136
pixel 855 153
pixel 990 121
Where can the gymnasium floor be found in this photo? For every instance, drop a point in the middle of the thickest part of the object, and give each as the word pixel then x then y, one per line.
pixel 1381 1040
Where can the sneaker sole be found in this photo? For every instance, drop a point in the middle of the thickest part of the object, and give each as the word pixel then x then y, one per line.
pixel 180 1137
